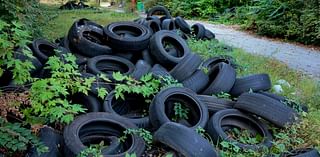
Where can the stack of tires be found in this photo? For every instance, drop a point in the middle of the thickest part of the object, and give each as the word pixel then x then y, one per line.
pixel 151 46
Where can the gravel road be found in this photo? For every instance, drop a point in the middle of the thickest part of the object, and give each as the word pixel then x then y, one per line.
pixel 303 59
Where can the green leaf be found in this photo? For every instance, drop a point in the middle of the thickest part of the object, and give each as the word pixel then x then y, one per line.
pixel 102 93
pixel 118 76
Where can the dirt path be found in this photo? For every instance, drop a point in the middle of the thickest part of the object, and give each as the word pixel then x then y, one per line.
pixel 303 59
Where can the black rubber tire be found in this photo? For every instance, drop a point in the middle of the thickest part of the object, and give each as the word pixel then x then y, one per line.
pixel 267 108
pixel 273 96
pixel 51 139
pixel 153 26
pixel 186 67
pixel 19 54
pixel 182 25
pixel 197 81
pixel 43 49
pixel 155 9
pixel 184 140
pixel 110 124
pixel 127 55
pixel 88 38
pixel 257 82
pixel 98 83
pixel 141 68
pixel 198 30
pixel 168 24
pixel 209 35
pixel 146 56
pixel 159 71
pixel 222 77
pixel 90 102
pixel 111 63
pixel 211 62
pixel 137 42
pixel 123 108
pixel 235 119
pixel 303 152
pixel 155 19
pixel 215 104
pixel 159 52
pixel 161 108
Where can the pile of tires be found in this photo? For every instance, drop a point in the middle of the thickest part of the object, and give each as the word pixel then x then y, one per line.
pixel 135 49
pixel 71 5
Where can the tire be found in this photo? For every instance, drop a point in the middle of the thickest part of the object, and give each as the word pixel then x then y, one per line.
pixel 155 9
pixel 168 24
pixel 114 147
pixel 257 82
pixel 98 83
pixel 159 71
pixel 159 52
pixel 161 108
pixel 211 62
pixel 273 96
pixel 303 152
pixel 137 42
pixel 209 35
pixel 184 140
pixel 267 108
pixel 133 104
pixel 43 49
pixel 153 26
pixel 142 68
pixel 127 55
pixel 155 19
pixel 182 25
pixel 88 38
pixel 146 56
pixel 106 64
pixel 222 78
pixel 223 120
pixel 186 67
pixel 19 54
pixel 100 123
pixel 197 81
pixel 51 139
pixel 215 104
pixel 90 102
pixel 198 30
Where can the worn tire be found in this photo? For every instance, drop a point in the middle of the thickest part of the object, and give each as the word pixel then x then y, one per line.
pixel 235 119
pixel 303 152
pixel 161 108
pixel 159 52
pixel 146 56
pixel 257 82
pixel 267 108
pixel 155 9
pixel 208 35
pixel 137 42
pixel 215 104
pixel 141 68
pixel 96 123
pixel 90 102
pixel 168 24
pixel 182 25
pixel 197 81
pixel 184 140
pixel 43 49
pixel 222 77
pixel 198 30
pixel 159 71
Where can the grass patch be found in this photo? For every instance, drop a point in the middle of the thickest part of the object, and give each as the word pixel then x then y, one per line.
pixel 60 25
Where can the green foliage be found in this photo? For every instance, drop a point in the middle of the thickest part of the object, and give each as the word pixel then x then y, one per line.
pixel 15 138
pixel 49 96
pixel 223 95
pixel 180 112
pixel 145 134
pixel 12 35
pixel 204 134
pixel 92 151
pixel 131 155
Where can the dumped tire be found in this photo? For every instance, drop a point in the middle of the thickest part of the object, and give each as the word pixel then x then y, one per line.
pixel 141 68
pixel 138 40
pixel 98 83
pixel 156 9
pixel 182 25
pixel 43 49
pixel 254 83
pixel 153 26
pixel 88 38
pixel 157 47
pixel 98 123
pixel 267 108
pixel 208 35
pixel 211 62
pixel 197 81
pixel 19 54
pixel 90 102
pixel 162 107
pixel 215 104
pixel 184 140
pixel 168 24
pixel 303 152
pixel 107 64
pixel 146 56
pixel 198 30
pixel 51 139
pixel 159 71
pixel 225 120
pixel 155 19
pixel 186 67
pixel 132 108
pixel 222 77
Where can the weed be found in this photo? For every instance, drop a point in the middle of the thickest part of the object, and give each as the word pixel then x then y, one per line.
pixel 92 151
pixel 180 112
pixel 145 134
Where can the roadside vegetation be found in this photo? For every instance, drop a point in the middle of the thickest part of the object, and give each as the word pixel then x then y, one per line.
pixel 65 77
